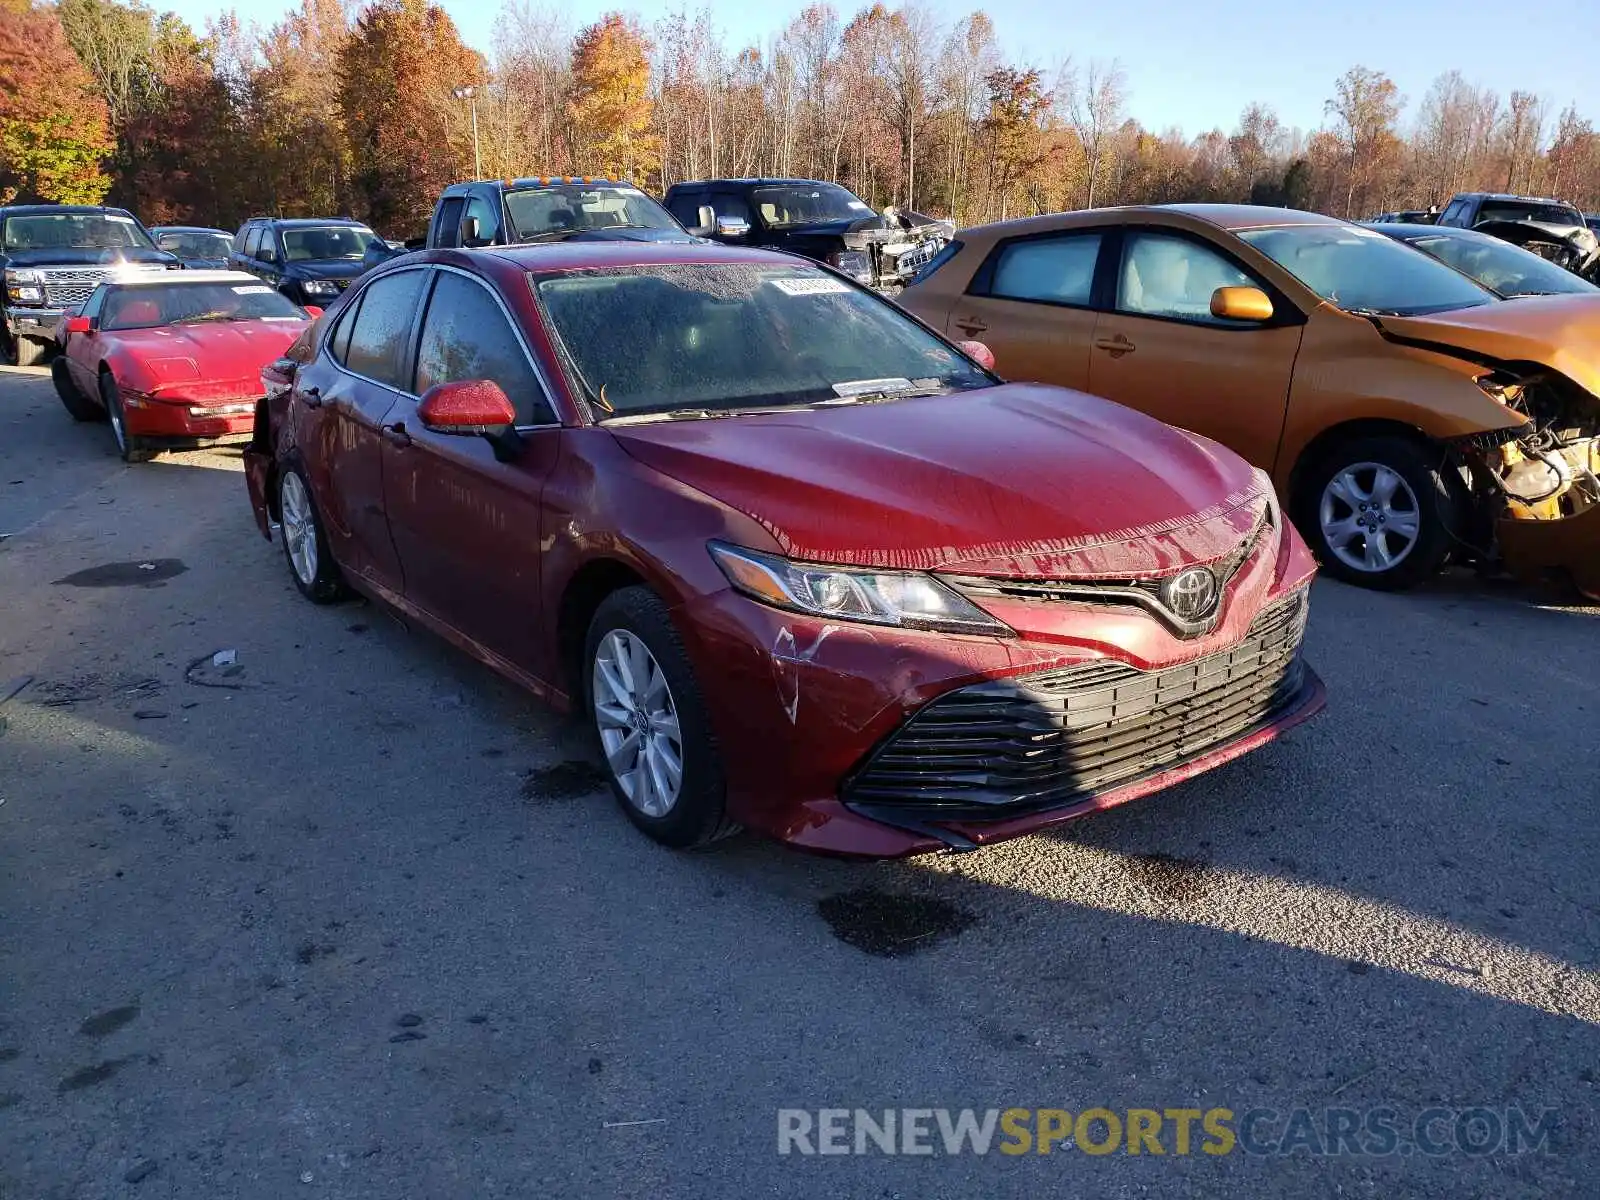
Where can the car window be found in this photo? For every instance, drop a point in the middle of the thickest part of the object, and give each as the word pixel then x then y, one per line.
pixel 268 251
pixel 1453 212
pixel 1529 210
pixel 383 327
pixel 1167 276
pixel 686 207
pixel 447 227
pixel 1366 272
pixel 466 335
pixel 1509 270
pixel 240 238
pixel 252 242
pixel 339 340
pixel 91 306
pixel 1052 270
pixel 731 206
pixel 479 207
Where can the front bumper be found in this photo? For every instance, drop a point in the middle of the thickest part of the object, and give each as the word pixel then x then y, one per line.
pixel 181 421
pixel 1571 545
pixel 865 741
pixel 33 322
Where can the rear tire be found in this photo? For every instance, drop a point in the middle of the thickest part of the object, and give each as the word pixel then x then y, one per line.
pixel 305 547
pixel 1378 511
pixel 132 449
pixel 74 401
pixel 654 689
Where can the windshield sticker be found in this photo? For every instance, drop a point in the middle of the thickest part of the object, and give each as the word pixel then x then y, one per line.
pixel 861 206
pixel 863 387
pixel 252 289
pixel 810 287
pixel 120 220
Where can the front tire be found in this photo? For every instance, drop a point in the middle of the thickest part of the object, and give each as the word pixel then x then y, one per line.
pixel 649 716
pixel 1378 511
pixel 305 547
pixel 132 449
pixel 74 401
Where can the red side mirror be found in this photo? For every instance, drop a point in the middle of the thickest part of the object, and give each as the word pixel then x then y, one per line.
pixel 313 311
pixel 979 353
pixel 77 324
pixel 470 406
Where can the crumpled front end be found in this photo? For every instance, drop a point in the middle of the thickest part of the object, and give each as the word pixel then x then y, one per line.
pixel 907 243
pixel 1573 248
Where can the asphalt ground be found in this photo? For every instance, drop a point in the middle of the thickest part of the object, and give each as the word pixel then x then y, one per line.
pixel 351 917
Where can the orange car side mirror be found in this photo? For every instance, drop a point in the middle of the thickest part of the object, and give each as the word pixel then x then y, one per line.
pixel 1241 304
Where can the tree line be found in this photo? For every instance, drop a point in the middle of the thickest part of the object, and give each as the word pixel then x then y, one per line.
pixel 368 110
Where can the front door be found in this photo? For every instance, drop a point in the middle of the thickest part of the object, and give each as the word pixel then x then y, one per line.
pixel 465 523
pixel 1162 352
pixel 1032 304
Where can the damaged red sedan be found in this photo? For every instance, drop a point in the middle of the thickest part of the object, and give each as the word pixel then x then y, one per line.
pixel 805 566
pixel 173 361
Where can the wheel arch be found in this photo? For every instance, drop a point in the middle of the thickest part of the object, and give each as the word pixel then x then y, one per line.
pixel 585 591
pixel 1330 437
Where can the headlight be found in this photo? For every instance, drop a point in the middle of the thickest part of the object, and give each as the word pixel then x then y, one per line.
pixel 22 275
pixel 24 286
pixel 904 598
pixel 319 287
pixel 1499 385
pixel 28 294
pixel 852 262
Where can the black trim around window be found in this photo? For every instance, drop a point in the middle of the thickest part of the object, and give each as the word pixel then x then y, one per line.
pixel 1285 312
pixel 982 282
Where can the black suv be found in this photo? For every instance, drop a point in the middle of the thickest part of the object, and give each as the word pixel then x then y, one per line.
pixel 1552 229
pixel 311 260
pixel 819 220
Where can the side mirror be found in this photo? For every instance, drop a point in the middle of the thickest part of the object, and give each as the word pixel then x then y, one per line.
pixel 1241 304
pixel 733 227
pixel 472 233
pixel 78 325
pixel 707 220
pixel 467 406
pixel 312 311
pixel 978 353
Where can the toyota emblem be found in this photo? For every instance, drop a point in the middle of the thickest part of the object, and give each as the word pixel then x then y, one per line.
pixel 1190 595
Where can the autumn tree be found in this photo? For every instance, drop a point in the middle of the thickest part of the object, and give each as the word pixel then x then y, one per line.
pixel 1366 105
pixel 54 128
pixel 292 99
pixel 610 106
pixel 407 134
pixel 526 130
pixel 1096 102
pixel 1013 132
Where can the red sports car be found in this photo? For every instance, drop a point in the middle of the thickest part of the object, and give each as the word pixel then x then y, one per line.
pixel 174 360
pixel 804 565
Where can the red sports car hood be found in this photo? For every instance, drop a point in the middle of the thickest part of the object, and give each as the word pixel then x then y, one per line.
pixel 209 356
pixel 1018 480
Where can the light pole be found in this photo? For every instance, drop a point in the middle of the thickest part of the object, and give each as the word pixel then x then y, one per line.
pixel 471 94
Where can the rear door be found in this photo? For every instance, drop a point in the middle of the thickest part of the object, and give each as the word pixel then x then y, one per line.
pixel 465 521
pixel 1032 302
pixel 358 381
pixel 1161 351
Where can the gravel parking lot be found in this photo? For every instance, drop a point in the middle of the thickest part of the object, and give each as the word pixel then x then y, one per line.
pixel 350 917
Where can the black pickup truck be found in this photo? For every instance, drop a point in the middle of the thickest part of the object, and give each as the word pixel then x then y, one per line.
pixel 819 220
pixel 502 212
pixel 52 257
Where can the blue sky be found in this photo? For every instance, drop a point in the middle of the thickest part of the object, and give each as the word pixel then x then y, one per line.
pixel 1195 65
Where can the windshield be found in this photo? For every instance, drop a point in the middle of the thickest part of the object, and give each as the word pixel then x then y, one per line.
pixel 149 306
pixel 326 241
pixel 738 335
pixel 807 204
pixel 1362 270
pixel 196 245
pixel 1509 270
pixel 1528 210
pixel 73 231
pixel 560 209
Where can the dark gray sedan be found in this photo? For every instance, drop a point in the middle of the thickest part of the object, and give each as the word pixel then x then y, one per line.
pixel 1499 266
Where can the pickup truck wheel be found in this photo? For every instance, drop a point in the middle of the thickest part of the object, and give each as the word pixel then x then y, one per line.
pixel 305 548
pixel 74 401
pixel 1378 512
pixel 132 449
pixel 29 352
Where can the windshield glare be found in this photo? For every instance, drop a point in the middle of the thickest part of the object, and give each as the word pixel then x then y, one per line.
pixel 1509 270
pixel 807 204
pixel 1364 270
pixel 328 241
pixel 74 231
pixel 196 245
pixel 737 335
pixel 150 306
pixel 1528 210
pixel 539 212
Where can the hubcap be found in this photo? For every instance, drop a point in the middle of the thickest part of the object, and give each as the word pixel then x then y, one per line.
pixel 638 723
pixel 299 528
pixel 1370 517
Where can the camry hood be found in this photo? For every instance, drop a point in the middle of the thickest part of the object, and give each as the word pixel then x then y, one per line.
pixel 1019 480
pixel 203 358
pixel 1559 332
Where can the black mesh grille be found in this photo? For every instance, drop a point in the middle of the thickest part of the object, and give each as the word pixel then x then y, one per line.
pixel 1045 740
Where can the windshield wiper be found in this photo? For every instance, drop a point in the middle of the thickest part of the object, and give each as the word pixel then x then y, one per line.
pixel 877 397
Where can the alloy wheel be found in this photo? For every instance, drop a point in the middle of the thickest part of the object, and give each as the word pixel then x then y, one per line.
pixel 1370 517
pixel 299 528
pixel 638 723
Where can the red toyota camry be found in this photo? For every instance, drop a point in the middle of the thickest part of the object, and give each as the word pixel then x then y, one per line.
pixel 805 566
pixel 173 360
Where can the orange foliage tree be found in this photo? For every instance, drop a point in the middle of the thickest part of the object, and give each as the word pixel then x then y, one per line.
pixel 54 131
pixel 610 106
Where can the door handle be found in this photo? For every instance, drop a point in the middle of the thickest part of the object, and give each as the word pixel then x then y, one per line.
pixel 1114 346
pixel 395 434
pixel 311 397
pixel 970 326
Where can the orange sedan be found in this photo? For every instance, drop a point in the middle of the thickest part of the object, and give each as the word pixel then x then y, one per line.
pixel 1406 413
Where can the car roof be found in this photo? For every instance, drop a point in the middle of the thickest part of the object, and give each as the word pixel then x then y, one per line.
pixel 296 222
pixel 1407 231
pixel 1511 196
pixel 578 256
pixel 170 277
pixel 24 210
pixel 756 180
pixel 188 229
pixel 1250 216
pixel 538 181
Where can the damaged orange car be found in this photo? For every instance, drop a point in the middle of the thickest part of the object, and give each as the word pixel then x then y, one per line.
pixel 1406 414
